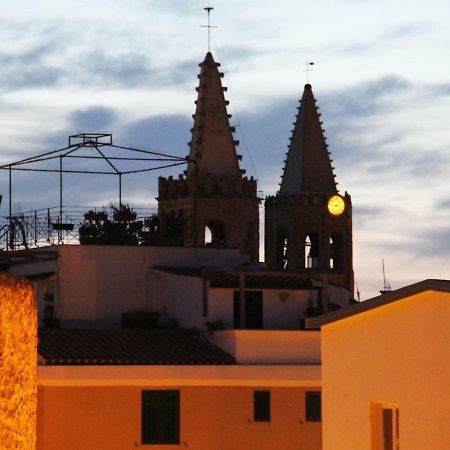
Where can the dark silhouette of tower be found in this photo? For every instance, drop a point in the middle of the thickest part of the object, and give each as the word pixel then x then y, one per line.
pixel 308 225
pixel 213 194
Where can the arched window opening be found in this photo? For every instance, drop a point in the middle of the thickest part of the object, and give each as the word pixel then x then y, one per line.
pixel 311 251
pixel 282 251
pixel 336 250
pixel 215 234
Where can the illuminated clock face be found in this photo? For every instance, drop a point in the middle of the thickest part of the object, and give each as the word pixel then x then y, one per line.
pixel 336 205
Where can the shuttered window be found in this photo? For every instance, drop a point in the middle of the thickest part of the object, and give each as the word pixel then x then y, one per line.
pixel 313 406
pixel 261 406
pixel 390 420
pixel 160 417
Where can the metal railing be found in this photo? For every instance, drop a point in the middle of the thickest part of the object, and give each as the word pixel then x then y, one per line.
pixel 51 226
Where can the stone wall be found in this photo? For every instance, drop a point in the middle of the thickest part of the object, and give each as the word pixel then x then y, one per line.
pixel 18 364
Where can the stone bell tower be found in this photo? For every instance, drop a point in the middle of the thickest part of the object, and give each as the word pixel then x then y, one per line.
pixel 308 224
pixel 212 198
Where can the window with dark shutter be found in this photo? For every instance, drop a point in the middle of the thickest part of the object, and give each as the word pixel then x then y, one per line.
pixel 261 406
pixel 390 428
pixel 160 417
pixel 313 406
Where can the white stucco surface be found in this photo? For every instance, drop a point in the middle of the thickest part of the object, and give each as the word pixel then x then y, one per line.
pixel 179 297
pixel 96 284
pixel 270 346
pixel 282 308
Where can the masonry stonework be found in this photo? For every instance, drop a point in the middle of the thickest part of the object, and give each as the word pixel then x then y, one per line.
pixel 18 364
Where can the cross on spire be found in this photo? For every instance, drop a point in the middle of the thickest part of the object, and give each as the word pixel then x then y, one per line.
pixel 308 69
pixel 208 10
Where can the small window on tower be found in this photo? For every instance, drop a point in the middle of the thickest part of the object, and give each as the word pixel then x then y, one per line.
pixel 261 406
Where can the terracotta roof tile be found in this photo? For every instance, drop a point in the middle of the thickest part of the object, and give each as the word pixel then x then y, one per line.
pixel 128 347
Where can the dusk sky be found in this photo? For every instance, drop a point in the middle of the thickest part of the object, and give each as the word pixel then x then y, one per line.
pixel 381 78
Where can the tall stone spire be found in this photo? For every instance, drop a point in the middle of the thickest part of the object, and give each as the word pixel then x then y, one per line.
pixel 212 148
pixel 308 165
pixel 304 232
pixel 212 204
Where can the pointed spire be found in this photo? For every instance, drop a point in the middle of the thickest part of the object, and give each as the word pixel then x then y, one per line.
pixel 308 165
pixel 213 147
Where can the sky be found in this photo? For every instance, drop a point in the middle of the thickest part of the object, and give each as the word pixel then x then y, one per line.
pixel 381 78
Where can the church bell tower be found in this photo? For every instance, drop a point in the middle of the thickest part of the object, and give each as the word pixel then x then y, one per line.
pixel 308 223
pixel 212 198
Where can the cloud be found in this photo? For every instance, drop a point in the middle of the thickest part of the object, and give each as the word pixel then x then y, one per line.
pixel 440 89
pixel 93 119
pixel 433 242
pixel 387 37
pixel 176 6
pixel 365 99
pixel 51 57
pixel 166 134
pixel 443 204
pixel 28 69
pixel 128 70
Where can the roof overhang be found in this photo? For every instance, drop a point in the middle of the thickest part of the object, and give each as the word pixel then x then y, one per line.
pixel 380 300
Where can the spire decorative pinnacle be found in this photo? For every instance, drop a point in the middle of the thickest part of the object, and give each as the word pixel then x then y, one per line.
pixel 308 165
pixel 212 147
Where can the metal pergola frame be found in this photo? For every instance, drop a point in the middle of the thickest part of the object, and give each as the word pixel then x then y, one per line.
pixel 96 141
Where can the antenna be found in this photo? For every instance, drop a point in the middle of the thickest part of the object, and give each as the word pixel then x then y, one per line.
pixel 308 69
pixel 358 294
pixel 386 286
pixel 208 10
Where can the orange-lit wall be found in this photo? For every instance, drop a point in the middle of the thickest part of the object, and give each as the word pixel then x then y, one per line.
pixel 397 353
pixel 212 418
pixel 18 362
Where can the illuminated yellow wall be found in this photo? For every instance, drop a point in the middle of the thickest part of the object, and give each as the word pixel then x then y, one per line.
pixel 212 418
pixel 18 364
pixel 398 353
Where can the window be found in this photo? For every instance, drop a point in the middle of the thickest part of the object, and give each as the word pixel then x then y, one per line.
pixel 253 310
pixel 390 428
pixel 313 406
pixel 261 406
pixel 385 426
pixel 160 417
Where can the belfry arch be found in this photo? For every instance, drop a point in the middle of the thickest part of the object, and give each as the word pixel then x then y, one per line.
pixel 282 249
pixel 215 234
pixel 311 246
pixel 336 251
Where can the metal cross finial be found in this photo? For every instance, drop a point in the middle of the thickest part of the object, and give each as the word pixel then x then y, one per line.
pixel 208 9
pixel 308 69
